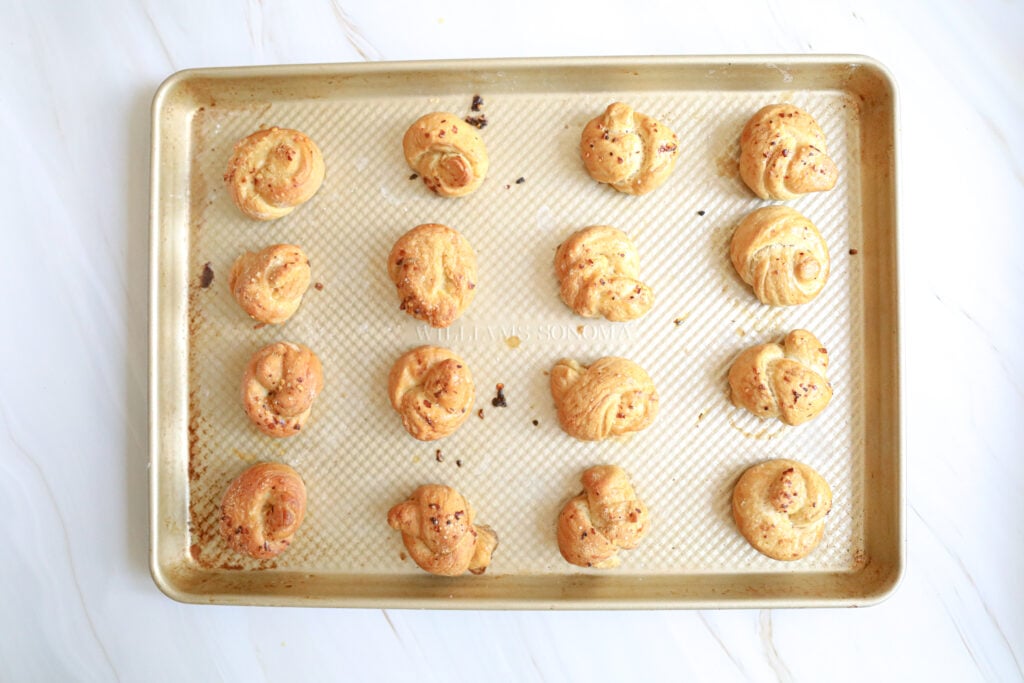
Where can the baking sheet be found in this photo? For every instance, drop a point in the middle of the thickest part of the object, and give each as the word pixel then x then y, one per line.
pixel 514 463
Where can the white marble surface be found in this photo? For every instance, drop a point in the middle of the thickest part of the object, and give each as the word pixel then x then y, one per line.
pixel 76 598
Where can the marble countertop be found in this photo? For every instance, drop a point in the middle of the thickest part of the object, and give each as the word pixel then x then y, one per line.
pixel 78 602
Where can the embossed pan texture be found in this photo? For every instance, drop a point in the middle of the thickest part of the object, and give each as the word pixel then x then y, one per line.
pixel 514 463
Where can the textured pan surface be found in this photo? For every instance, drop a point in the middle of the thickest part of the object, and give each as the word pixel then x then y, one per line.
pixel 514 463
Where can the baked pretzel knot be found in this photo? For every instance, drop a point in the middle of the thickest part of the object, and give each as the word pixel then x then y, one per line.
pixel 434 270
pixel 606 517
pixel 613 396
pixel 262 509
pixel 630 151
pixel 432 389
pixel 279 386
pixel 438 531
pixel 447 153
pixel 780 507
pixel 783 154
pixel 273 171
pixel 597 271
pixel 785 380
pixel 781 254
pixel 269 284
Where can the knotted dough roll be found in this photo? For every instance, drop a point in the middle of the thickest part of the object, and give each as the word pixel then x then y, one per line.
pixel 781 254
pixel 785 380
pixel 598 270
pixel 783 154
pixel 434 269
pixel 269 284
pixel 432 389
pixel 613 396
pixel 780 507
pixel 447 153
pixel 630 151
pixel 279 386
pixel 272 171
pixel 262 509
pixel 606 517
pixel 438 531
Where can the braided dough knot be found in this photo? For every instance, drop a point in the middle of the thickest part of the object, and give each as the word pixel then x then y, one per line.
pixel 269 284
pixel 279 386
pixel 262 509
pixel 437 529
pixel 598 269
pixel 780 507
pixel 613 396
pixel 606 517
pixel 783 154
pixel 273 171
pixel 785 380
pixel 630 151
pixel 432 389
pixel 434 271
pixel 781 254
pixel 447 153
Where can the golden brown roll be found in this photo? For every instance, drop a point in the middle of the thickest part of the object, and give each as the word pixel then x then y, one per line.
pixel 432 389
pixel 434 270
pixel 447 153
pixel 598 269
pixel 613 396
pixel 273 171
pixel 438 531
pixel 262 509
pixel 785 380
pixel 630 151
pixel 780 507
pixel 606 517
pixel 783 154
pixel 279 386
pixel 269 284
pixel 781 254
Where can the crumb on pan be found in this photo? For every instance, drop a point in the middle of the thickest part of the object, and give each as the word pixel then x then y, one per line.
pixel 206 279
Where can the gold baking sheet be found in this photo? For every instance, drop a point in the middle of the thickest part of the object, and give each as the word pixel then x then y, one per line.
pixel 513 463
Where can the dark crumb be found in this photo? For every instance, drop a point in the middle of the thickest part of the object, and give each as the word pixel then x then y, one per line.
pixel 499 400
pixel 854 252
pixel 477 121
pixel 458 463
pixel 402 556
pixel 414 176
pixel 507 186
pixel 536 422
pixel 477 103
pixel 701 212
pixel 206 279
pixel 319 286
pixel 259 326
pixel 677 322
pixel 480 413
pixel 700 417
pixel 520 180
pixel 437 455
